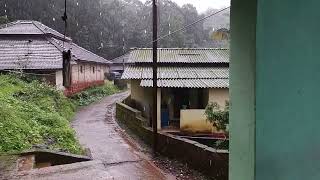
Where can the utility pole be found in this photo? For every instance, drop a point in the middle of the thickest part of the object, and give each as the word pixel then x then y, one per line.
pixel 66 54
pixel 154 68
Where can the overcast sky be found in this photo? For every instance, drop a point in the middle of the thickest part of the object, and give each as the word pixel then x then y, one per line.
pixel 203 5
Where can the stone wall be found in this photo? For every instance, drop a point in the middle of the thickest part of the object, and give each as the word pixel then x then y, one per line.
pixel 212 162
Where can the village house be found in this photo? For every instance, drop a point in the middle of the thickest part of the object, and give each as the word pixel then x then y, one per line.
pixel 188 80
pixel 32 47
pixel 119 63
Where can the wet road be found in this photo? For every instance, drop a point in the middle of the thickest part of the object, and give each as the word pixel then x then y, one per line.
pixel 96 129
pixel 115 155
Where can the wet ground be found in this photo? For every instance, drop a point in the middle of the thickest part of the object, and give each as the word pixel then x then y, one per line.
pixel 114 156
pixel 117 153
pixel 97 130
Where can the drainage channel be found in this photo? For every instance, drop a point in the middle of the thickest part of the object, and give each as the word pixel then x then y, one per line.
pixel 45 158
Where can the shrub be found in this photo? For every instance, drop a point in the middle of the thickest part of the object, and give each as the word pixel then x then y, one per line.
pixel 34 113
pixel 219 118
pixel 94 94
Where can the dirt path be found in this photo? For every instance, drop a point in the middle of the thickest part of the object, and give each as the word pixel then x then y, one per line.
pixel 96 129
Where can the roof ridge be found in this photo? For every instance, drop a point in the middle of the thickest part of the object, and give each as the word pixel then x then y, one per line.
pixel 181 49
pixel 89 51
pixel 56 43
pixel 38 27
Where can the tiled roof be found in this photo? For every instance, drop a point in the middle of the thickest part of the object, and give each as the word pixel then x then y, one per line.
pixel 187 83
pixel 24 27
pixel 37 47
pixel 138 72
pixel 35 53
pixel 79 53
pixel 181 55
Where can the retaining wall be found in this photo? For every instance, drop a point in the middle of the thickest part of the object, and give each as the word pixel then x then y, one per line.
pixel 212 162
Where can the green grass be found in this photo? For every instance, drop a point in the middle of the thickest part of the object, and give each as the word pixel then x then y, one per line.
pixel 34 113
pixel 94 94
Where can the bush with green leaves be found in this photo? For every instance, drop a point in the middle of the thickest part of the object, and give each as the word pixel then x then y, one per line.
pixel 94 94
pixel 217 116
pixel 34 113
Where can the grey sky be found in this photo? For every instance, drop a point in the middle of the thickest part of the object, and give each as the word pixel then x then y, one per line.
pixel 203 5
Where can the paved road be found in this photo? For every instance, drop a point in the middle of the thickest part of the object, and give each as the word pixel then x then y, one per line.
pixel 114 155
pixel 96 129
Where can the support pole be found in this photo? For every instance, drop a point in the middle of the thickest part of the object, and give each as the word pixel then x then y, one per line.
pixel 154 68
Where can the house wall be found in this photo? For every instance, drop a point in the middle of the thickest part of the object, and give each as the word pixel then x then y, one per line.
pixel 87 74
pixel 219 96
pixel 287 85
pixel 59 80
pixel 87 77
pixel 242 89
pixel 274 83
pixel 195 121
pixel 141 95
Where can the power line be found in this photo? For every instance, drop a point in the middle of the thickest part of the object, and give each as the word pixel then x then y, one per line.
pixel 183 28
pixel 189 25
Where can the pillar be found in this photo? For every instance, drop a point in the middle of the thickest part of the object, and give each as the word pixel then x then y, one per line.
pixel 242 90
pixel 159 108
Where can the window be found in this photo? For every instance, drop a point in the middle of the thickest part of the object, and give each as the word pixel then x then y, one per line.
pixel 81 69
pixel 93 69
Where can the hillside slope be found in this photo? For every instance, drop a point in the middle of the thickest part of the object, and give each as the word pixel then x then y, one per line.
pixel 33 113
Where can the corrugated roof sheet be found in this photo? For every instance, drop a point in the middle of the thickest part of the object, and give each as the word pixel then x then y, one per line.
pixel 181 55
pixel 188 83
pixel 22 53
pixel 138 72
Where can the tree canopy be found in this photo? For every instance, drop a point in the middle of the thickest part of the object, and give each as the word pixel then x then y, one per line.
pixel 105 26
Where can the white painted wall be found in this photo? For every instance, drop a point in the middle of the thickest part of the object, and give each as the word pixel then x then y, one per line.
pixel 59 80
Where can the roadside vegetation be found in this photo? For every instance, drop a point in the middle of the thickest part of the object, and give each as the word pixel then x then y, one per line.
pixel 34 114
pixel 94 94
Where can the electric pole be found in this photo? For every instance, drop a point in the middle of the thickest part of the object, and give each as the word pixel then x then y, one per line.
pixel 154 68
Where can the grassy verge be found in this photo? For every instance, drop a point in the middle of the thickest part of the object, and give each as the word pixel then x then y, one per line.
pixel 94 94
pixel 33 113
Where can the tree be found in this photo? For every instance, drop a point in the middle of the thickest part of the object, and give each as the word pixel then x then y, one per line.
pixel 3 20
pixel 101 25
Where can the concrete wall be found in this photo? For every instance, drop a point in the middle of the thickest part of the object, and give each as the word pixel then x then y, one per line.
pixel 274 90
pixel 141 95
pixel 242 89
pixel 195 121
pixel 219 96
pixel 210 161
pixel 59 80
pixel 287 86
